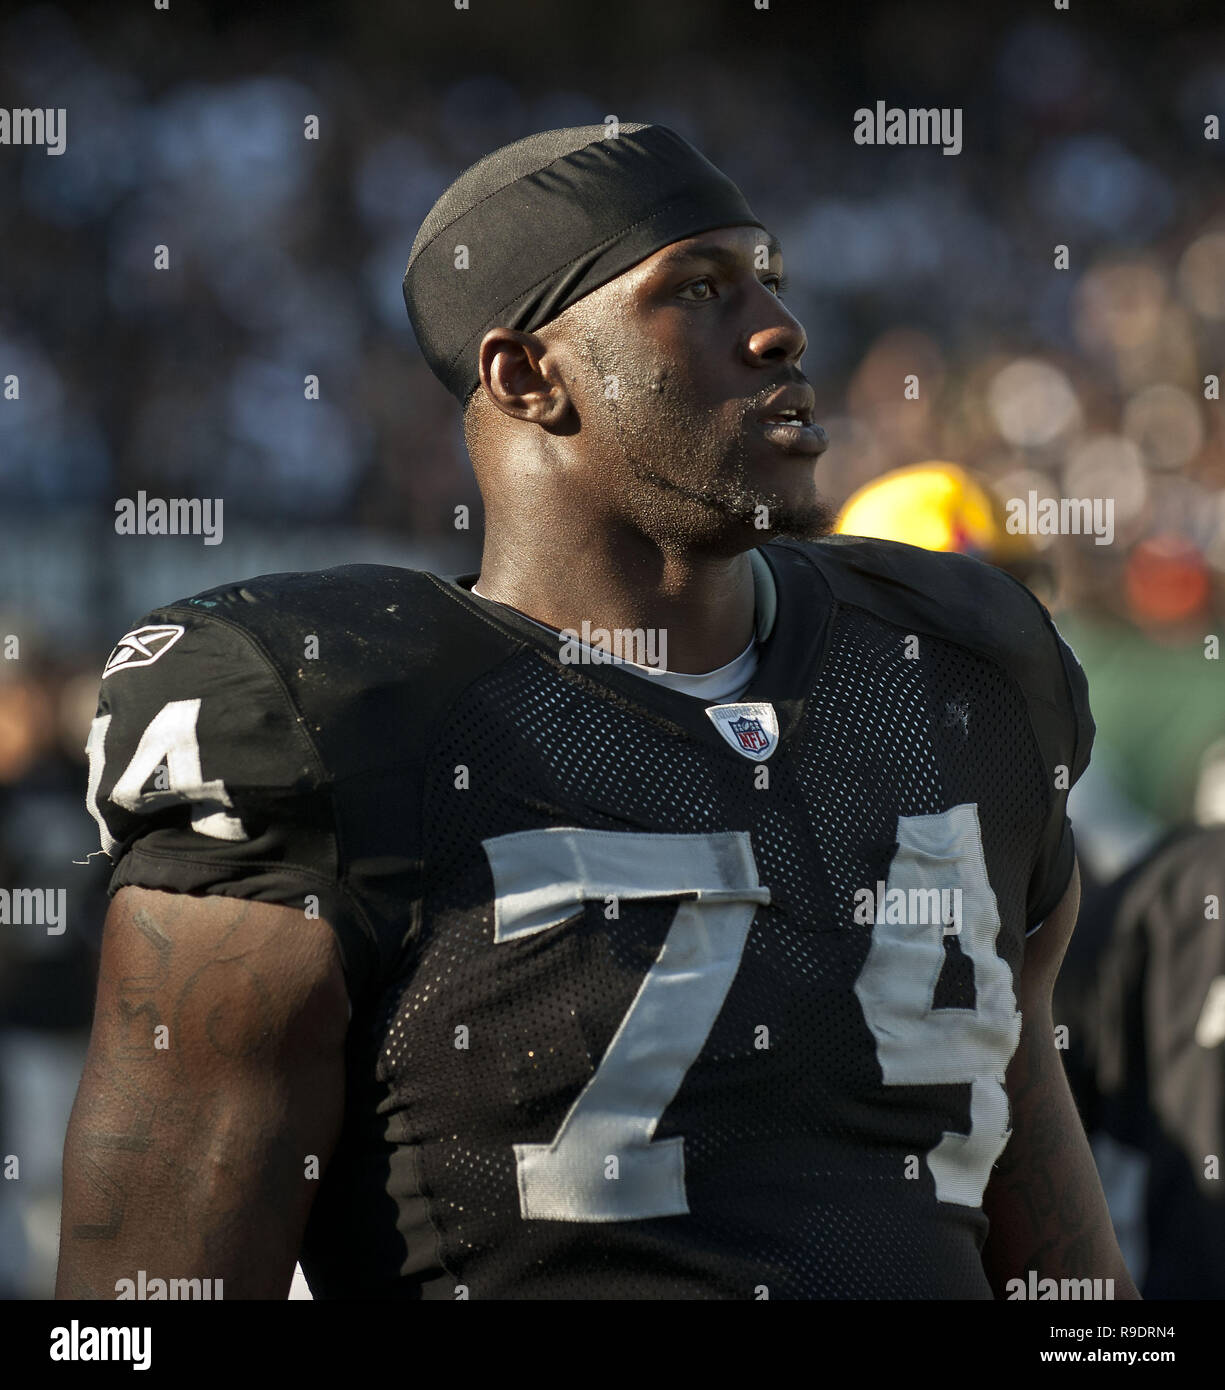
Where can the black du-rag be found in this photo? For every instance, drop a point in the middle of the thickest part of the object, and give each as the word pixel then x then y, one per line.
pixel 536 225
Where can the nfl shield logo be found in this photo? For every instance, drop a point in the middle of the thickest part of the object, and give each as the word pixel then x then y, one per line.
pixel 751 735
pixel 752 730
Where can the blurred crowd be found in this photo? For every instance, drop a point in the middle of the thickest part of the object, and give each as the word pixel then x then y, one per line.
pixel 285 260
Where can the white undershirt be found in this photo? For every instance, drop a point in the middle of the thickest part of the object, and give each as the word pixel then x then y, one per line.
pixel 726 684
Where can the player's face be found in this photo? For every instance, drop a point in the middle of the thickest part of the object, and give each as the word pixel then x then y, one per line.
pixel 682 415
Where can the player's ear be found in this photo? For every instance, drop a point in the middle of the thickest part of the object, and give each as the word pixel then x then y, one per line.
pixel 521 378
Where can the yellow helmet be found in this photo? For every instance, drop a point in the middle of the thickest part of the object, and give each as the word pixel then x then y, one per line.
pixel 938 506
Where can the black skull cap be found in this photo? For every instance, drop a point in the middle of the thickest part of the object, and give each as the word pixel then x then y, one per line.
pixel 538 224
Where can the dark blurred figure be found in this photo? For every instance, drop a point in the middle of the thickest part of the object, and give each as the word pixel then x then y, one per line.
pixel 46 975
pixel 1143 993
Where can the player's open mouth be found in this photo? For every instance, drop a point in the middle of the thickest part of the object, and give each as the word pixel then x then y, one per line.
pixel 786 420
pixel 791 431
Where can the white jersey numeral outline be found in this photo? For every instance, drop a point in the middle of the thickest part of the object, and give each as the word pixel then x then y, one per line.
pixel 918 1045
pixel 602 1164
pixel 542 877
pixel 169 737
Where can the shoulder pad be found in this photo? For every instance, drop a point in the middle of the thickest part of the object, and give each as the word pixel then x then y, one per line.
pixel 194 727
pixel 968 602
pixel 962 600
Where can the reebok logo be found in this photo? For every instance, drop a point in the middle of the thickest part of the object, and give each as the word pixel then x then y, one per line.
pixel 142 647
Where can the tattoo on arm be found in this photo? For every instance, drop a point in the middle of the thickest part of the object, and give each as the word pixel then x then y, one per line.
pixel 147 1082
pixel 203 1155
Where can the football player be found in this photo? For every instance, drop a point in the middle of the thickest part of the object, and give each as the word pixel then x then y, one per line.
pixel 1152 1081
pixel 460 960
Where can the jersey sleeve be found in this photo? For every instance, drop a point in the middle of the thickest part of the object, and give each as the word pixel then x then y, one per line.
pixel 1064 723
pixel 204 779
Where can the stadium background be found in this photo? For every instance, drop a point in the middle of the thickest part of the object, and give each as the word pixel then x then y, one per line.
pixel 185 128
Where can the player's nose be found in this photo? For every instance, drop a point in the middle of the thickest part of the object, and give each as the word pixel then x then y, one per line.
pixel 781 340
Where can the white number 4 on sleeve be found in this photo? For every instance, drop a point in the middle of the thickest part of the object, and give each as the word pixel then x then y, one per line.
pixel 170 738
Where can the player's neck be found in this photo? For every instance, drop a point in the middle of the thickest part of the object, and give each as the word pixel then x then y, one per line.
pixel 704 604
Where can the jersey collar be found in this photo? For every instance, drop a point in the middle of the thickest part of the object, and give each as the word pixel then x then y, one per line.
pixel 794 607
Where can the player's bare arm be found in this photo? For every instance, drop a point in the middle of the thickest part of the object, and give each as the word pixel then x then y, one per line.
pixel 1045 1202
pixel 215 1067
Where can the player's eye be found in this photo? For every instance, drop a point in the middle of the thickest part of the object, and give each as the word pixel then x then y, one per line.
pixel 695 284
pixel 775 282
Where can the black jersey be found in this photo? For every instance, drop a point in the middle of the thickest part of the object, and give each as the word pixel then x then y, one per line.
pixel 1157 1040
pixel 646 1003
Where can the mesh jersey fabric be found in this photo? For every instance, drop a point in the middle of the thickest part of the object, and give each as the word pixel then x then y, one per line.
pixel 915 693
pixel 726 683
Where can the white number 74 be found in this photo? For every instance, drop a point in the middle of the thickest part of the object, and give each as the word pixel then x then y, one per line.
pixel 541 877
